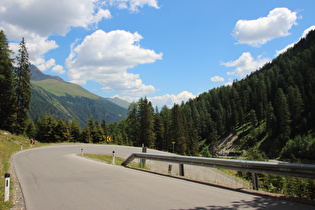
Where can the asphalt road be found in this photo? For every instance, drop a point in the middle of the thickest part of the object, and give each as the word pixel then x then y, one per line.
pixel 55 178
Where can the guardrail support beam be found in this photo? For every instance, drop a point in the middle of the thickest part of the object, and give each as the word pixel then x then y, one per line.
pixel 181 169
pixel 255 181
pixel 286 169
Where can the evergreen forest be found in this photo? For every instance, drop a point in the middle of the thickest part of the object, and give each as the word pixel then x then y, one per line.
pixel 270 113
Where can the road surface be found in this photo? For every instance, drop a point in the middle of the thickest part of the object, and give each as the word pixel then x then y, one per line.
pixel 56 178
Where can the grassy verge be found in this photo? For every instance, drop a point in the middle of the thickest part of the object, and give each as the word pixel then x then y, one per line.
pixel 105 158
pixel 118 160
pixel 9 144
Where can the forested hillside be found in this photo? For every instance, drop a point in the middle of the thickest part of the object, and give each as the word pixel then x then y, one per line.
pixel 53 96
pixel 271 111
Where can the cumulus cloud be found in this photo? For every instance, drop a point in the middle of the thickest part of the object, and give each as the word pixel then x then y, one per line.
pixel 306 31
pixel 217 79
pixel 171 99
pixel 133 5
pixel 105 57
pixel 58 69
pixel 245 64
pixel 257 32
pixel 36 20
pixel 37 47
pixel 46 17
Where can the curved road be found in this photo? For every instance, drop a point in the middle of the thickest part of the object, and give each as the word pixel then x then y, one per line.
pixel 55 178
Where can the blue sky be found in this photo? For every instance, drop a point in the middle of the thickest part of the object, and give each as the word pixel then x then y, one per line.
pixel 166 50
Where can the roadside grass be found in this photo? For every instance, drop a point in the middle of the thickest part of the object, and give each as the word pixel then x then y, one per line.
pixel 9 144
pixel 105 158
pixel 118 160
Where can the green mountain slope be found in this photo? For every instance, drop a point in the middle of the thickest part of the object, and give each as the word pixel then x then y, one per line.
pixel 60 88
pixel 53 96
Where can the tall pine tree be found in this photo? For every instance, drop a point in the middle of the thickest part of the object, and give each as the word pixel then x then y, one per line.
pixel 7 95
pixel 22 88
pixel 146 122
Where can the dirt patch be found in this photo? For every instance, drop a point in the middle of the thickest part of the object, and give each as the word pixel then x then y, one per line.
pixel 226 145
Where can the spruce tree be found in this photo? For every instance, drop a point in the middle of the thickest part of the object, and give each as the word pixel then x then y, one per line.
pixel 75 130
pixel 22 88
pixel 159 132
pixel 7 95
pixel 133 124
pixel 146 121
pixel 178 127
pixel 282 115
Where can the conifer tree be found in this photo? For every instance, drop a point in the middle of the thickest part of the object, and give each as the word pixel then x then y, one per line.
pixel 178 130
pixel 133 124
pixel 86 136
pixel 75 130
pixel 22 88
pixel 146 121
pixel 166 121
pixel 159 132
pixel 7 95
pixel 104 127
pixel 99 136
pixel 282 115
pixel 30 129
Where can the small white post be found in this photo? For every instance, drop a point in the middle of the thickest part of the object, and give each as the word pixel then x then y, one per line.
pixel 21 147
pixel 113 159
pixel 82 152
pixel 6 187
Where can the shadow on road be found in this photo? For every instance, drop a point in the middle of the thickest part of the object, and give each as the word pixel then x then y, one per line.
pixel 257 203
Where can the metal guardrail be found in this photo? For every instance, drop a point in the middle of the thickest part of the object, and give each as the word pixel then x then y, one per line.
pixel 286 169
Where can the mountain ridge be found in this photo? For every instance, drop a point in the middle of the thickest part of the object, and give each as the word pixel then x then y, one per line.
pixel 53 96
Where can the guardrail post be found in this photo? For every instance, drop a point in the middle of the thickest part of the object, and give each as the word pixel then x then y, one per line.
pixel 6 186
pixel 142 161
pixel 181 169
pixel 170 169
pixel 255 181
pixel 113 158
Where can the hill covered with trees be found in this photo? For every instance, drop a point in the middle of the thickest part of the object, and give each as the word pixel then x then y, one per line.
pixel 271 111
pixel 53 96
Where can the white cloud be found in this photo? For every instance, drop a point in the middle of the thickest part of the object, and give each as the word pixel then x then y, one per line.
pixel 306 31
pixel 37 47
pixel 217 79
pixel 105 57
pixel 46 17
pixel 133 5
pixel 257 32
pixel 58 69
pixel 245 64
pixel 229 83
pixel 36 20
pixel 171 99
pixel 159 101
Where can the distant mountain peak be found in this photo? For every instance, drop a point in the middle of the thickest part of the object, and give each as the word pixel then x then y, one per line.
pixel 37 75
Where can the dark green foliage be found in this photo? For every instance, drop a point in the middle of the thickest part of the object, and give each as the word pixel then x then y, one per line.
pixel 178 134
pixel 30 129
pixel 301 147
pixel 146 122
pixel 22 88
pixel 75 131
pixel 7 94
pixel 69 107
pixel 52 95
pixel 267 108
pixel 283 116
pixel 159 132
